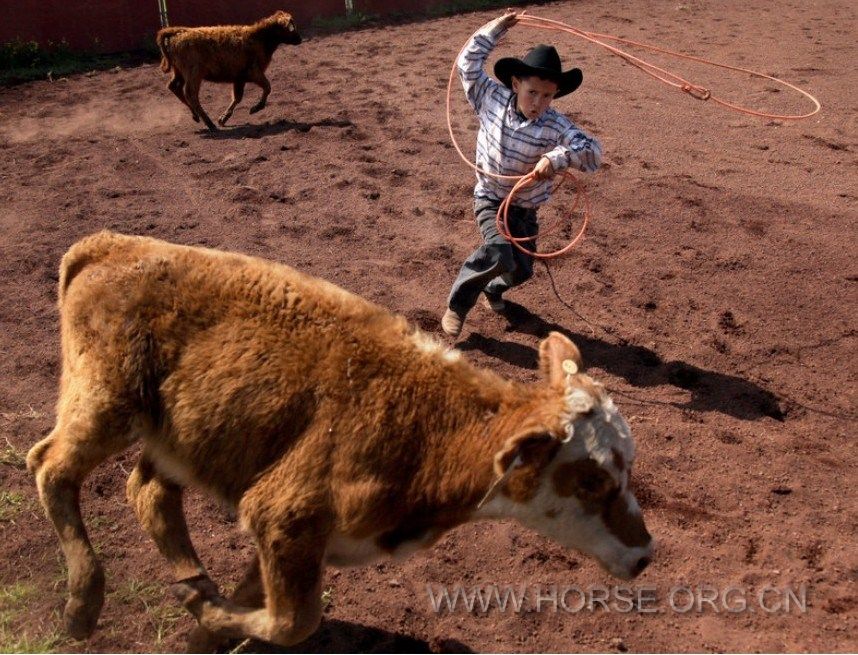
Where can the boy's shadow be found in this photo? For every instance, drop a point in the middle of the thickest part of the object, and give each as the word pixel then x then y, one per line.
pixel 335 636
pixel 259 130
pixel 640 367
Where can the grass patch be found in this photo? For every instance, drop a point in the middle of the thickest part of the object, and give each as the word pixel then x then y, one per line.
pixel 327 597
pixel 14 641
pixel 13 599
pixel 11 456
pixel 99 522
pixel 13 596
pixel 24 61
pixel 30 413
pixel 12 503
pixel 162 615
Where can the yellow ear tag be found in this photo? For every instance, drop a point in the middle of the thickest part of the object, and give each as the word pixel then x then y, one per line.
pixel 569 367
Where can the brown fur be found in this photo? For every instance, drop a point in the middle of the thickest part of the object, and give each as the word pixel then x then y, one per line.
pixel 234 54
pixel 313 411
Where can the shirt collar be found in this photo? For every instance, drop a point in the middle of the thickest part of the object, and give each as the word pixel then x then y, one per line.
pixel 519 119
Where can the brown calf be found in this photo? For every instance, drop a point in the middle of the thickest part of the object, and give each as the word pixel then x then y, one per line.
pixel 234 54
pixel 339 433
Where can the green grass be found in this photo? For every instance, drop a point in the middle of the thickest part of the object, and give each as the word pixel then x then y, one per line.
pixel 162 614
pixel 327 597
pixel 47 642
pixel 13 599
pixel 11 456
pixel 12 504
pixel 14 595
pixel 24 61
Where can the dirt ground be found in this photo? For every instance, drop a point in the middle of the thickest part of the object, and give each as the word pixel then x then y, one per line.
pixel 716 286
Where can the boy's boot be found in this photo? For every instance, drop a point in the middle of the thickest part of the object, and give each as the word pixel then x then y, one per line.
pixel 452 322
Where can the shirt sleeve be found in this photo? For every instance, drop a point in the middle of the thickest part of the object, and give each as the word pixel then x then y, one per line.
pixel 470 65
pixel 573 143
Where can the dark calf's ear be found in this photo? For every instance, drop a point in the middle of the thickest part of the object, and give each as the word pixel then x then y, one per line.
pixel 532 447
pixel 559 357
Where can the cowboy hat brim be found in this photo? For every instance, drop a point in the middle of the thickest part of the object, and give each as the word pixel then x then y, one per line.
pixel 567 81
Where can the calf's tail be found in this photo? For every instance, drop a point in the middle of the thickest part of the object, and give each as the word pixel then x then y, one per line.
pixel 163 40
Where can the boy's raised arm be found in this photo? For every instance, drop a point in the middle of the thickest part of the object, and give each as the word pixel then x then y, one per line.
pixel 470 63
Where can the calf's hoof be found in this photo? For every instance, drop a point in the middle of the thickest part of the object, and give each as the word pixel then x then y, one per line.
pixel 194 592
pixel 80 617
pixel 222 120
pixel 256 108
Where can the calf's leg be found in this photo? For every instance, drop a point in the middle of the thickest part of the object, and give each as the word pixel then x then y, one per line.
pixel 192 93
pixel 249 593
pixel 291 545
pixel 158 505
pixel 88 430
pixel 259 78
pixel 237 95
pixel 176 85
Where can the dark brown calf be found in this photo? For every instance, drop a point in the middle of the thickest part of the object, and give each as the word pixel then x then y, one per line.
pixel 234 54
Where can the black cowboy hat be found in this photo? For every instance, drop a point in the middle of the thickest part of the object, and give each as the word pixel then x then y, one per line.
pixel 544 62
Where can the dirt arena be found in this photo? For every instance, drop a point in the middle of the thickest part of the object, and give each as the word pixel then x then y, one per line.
pixel 716 290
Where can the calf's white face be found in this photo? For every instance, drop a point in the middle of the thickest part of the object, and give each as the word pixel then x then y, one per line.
pixel 584 501
pixel 574 487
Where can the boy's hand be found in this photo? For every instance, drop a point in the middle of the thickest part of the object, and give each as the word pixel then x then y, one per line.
pixel 504 22
pixel 543 169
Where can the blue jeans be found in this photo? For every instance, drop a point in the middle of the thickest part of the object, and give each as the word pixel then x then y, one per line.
pixel 497 265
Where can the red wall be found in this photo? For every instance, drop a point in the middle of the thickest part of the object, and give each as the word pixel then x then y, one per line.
pixel 115 25
pixel 98 25
pixel 226 12
pixel 393 6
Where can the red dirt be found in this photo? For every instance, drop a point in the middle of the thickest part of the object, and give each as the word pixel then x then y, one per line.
pixel 719 272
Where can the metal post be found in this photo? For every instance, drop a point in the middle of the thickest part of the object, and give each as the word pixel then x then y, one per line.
pixel 162 13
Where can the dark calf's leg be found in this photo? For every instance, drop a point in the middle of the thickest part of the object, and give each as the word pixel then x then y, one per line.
pixel 192 93
pixel 260 79
pixel 237 95
pixel 176 85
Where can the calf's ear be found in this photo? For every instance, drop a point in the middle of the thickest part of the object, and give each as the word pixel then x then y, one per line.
pixel 528 448
pixel 559 357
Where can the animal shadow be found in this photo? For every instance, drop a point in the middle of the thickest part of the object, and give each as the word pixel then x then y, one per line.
pixel 641 367
pixel 269 128
pixel 335 636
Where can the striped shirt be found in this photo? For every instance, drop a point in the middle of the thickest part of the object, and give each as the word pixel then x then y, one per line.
pixel 507 143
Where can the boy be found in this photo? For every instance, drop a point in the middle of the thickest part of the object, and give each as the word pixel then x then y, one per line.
pixel 519 132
